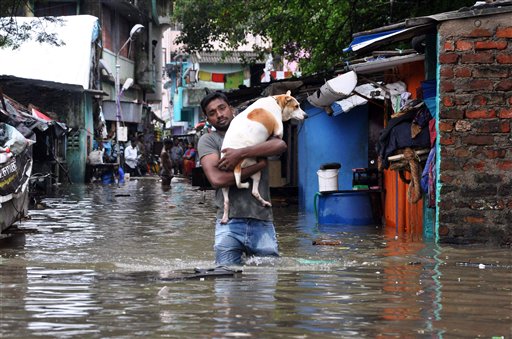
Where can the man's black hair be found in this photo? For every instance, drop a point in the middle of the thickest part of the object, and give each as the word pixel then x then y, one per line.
pixel 210 97
pixel 167 141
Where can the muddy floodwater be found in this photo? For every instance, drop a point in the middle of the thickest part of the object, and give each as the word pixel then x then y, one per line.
pixel 100 261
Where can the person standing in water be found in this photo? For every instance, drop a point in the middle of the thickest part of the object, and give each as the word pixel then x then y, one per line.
pixel 166 165
pixel 250 230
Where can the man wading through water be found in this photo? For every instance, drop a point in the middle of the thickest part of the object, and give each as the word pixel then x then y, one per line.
pixel 166 165
pixel 250 229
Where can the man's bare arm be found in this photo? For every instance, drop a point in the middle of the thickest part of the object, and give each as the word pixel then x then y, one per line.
pixel 232 157
pixel 220 178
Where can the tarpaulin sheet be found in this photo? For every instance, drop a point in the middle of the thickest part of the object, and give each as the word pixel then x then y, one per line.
pixel 69 63
pixel 366 40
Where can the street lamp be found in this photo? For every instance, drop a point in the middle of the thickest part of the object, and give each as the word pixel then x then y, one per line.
pixel 135 29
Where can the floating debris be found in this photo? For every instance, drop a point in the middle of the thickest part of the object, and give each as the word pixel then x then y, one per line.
pixel 202 273
pixel 482 265
pixel 327 242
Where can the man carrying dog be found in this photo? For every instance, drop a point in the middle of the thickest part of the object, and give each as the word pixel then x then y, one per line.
pixel 250 229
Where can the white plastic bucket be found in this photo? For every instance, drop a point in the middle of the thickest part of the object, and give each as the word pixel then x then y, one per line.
pixel 327 180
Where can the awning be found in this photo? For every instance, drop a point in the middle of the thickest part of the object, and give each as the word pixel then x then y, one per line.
pixel 370 40
pixel 40 116
pixel 379 64
pixel 130 111
pixel 26 120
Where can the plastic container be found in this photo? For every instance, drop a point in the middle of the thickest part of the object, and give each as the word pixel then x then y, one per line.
pixel 345 208
pixel 328 177
pixel 107 178
pixel 327 180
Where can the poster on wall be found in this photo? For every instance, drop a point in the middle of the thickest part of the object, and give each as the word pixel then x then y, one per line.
pixel 13 175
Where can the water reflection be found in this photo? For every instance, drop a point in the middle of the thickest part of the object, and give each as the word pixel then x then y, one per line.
pixel 56 297
pixel 91 265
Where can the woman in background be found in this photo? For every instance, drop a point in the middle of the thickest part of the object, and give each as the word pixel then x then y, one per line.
pixel 189 160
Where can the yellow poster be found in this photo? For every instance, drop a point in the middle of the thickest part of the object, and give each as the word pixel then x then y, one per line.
pixel 205 76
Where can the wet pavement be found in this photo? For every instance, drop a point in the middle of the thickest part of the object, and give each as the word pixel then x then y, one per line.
pixel 96 263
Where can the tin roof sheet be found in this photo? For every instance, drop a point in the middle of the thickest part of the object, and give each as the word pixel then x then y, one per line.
pixel 226 57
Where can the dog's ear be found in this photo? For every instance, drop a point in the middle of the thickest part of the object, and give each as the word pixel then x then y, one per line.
pixel 288 92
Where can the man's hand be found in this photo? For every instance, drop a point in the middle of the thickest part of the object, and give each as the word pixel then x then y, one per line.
pixel 263 161
pixel 230 159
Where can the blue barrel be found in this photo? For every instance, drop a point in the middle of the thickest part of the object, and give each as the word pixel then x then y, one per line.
pixel 107 178
pixel 345 208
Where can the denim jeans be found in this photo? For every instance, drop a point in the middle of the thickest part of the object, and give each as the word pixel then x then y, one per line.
pixel 250 236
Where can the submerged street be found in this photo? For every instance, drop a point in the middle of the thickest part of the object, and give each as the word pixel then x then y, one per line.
pixel 95 263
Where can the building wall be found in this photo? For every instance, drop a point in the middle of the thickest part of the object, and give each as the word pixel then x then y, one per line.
pixel 475 69
pixel 326 139
pixel 80 139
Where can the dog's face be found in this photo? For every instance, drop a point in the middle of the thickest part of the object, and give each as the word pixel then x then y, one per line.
pixel 290 107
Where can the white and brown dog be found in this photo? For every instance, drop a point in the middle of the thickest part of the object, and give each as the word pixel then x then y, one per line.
pixel 254 125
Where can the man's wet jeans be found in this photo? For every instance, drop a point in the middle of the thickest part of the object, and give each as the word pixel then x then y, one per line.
pixel 250 236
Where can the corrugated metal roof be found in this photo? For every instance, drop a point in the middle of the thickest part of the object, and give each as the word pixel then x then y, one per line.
pixel 465 12
pixel 496 7
pixel 225 57
pixel 374 38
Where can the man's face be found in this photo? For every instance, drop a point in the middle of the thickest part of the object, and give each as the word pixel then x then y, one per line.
pixel 219 114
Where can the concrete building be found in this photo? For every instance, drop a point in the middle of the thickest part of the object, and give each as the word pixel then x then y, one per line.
pixel 188 76
pixel 83 94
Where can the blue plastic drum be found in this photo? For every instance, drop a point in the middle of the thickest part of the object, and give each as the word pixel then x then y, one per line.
pixel 345 208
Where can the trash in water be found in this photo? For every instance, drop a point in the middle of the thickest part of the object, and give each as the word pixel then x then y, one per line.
pixel 202 273
pixel 327 242
pixel 482 265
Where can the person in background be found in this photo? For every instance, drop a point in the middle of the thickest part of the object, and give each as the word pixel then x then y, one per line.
pixel 142 163
pixel 166 166
pixel 131 158
pixel 250 230
pixel 176 157
pixel 108 155
pixel 189 160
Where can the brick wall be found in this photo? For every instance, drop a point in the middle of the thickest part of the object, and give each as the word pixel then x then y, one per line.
pixel 475 58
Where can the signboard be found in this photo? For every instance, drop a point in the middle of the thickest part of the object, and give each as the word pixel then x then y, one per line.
pixel 12 174
pixel 123 133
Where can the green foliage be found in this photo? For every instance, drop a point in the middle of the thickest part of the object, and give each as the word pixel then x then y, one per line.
pixel 313 32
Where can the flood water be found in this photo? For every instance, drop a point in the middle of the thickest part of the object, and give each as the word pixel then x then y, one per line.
pixel 99 262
